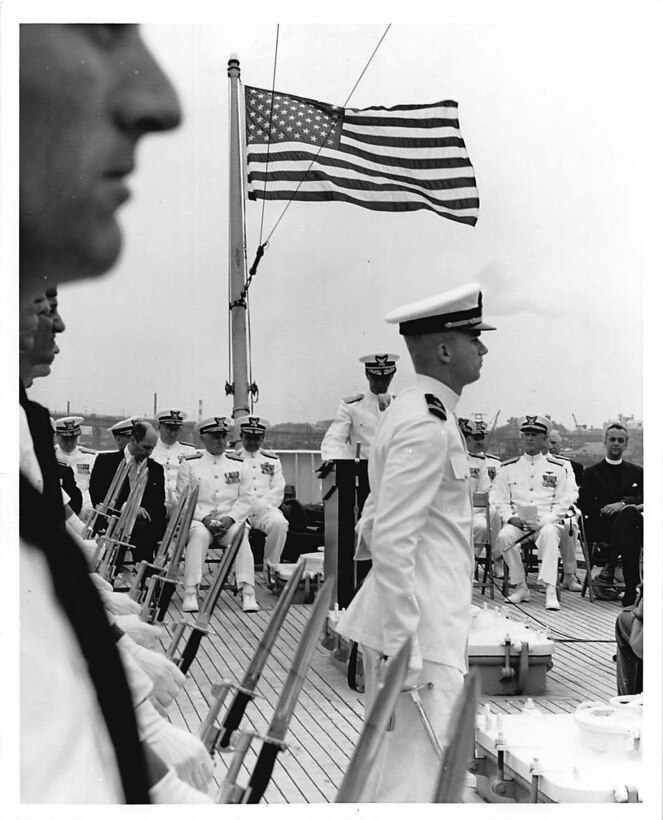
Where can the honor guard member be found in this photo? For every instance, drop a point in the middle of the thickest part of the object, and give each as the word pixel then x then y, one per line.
pixel 483 470
pixel 121 431
pixel 533 493
pixel 358 415
pixel 267 485
pixel 169 452
pixel 420 541
pixel 80 459
pixel 223 507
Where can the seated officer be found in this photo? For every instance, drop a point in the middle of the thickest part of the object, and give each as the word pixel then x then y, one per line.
pixel 358 414
pixel 169 452
pixel 533 494
pixel 80 459
pixel 121 431
pixel 266 488
pixel 223 507
pixel 483 470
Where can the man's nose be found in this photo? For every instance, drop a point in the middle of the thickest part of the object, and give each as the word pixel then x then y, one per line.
pixel 146 99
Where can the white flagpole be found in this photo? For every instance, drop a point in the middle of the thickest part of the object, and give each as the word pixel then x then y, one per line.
pixel 236 264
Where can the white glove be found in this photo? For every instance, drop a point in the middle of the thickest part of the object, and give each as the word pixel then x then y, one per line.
pixel 176 747
pixel 166 678
pixel 100 584
pixel 170 789
pixel 119 603
pixel 144 634
pixel 140 683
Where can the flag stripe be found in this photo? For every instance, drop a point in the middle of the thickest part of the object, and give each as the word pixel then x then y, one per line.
pixel 406 157
pixel 394 204
pixel 298 163
pixel 301 161
pixel 463 197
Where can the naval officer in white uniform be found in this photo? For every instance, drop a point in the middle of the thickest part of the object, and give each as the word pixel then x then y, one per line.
pixel 80 459
pixel 223 507
pixel 267 485
pixel 169 452
pixel 358 414
pixel 542 486
pixel 420 539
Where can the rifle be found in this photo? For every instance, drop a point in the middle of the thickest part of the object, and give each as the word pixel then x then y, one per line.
pixel 200 626
pixel 107 508
pixel 459 750
pixel 375 725
pixel 161 585
pixel 119 529
pixel 273 742
pixel 214 738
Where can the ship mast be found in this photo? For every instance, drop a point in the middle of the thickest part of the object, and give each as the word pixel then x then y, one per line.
pixel 239 378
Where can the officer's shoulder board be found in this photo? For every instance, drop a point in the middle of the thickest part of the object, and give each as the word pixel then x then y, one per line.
pixel 490 455
pixel 234 456
pixel 62 463
pixel 510 461
pixel 187 444
pixel 435 407
pixel 268 454
pixel 193 456
pixel 353 398
pixel 87 450
pixel 554 461
pixel 477 455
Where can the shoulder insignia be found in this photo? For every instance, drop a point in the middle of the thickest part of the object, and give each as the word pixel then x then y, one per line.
pixel 62 463
pixel 353 398
pixel 268 454
pixel 187 444
pixel 490 455
pixel 234 456
pixel 554 461
pixel 435 407
pixel 477 455
pixel 510 461
pixel 87 450
pixel 193 456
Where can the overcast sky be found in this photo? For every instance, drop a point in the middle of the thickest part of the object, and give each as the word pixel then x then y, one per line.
pixel 550 115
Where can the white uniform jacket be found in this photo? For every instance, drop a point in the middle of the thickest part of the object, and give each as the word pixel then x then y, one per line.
pixel 170 456
pixel 81 461
pixel 539 480
pixel 222 487
pixel 479 479
pixel 421 532
pixel 267 483
pixel 355 423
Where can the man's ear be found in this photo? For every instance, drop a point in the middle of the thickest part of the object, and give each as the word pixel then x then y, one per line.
pixel 443 351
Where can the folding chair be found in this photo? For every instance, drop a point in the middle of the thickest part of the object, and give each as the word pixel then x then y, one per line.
pixel 480 501
pixel 597 554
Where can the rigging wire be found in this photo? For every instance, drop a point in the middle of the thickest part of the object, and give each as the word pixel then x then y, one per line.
pixel 269 131
pixel 324 142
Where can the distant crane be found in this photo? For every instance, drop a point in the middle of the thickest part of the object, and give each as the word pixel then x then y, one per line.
pixel 578 426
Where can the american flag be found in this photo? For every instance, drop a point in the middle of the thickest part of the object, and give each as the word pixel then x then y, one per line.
pixel 405 158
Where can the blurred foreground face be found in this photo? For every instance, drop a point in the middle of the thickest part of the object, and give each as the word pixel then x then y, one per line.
pixel 88 93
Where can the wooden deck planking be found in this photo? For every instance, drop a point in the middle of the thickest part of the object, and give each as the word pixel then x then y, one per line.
pixel 328 717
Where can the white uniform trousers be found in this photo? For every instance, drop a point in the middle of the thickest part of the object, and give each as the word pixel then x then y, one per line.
pixel 547 543
pixel 275 526
pixel 407 768
pixel 480 534
pixel 199 541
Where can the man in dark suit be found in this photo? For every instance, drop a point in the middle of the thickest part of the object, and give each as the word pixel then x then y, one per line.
pixel 151 521
pixel 611 497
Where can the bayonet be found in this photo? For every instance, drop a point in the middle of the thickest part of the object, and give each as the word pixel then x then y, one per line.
pixel 459 750
pixel 200 626
pixel 245 692
pixel 375 725
pixel 274 741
